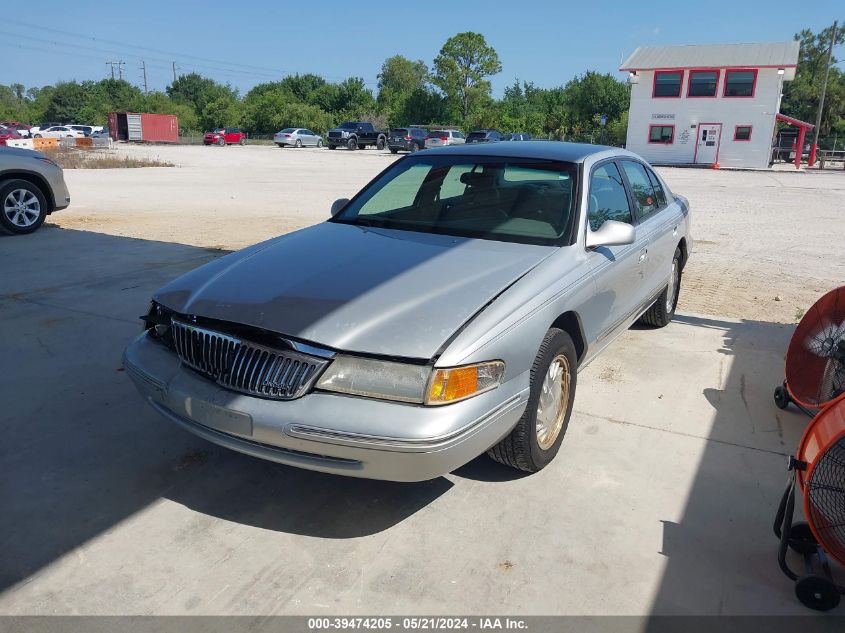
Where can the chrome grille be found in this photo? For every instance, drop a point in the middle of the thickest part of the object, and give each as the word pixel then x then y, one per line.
pixel 244 366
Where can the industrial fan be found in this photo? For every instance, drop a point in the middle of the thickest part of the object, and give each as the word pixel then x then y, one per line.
pixel 819 471
pixel 815 360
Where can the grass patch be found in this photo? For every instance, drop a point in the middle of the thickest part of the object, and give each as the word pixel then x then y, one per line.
pixel 69 158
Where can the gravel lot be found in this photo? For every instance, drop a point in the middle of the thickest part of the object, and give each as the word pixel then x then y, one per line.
pixel 765 241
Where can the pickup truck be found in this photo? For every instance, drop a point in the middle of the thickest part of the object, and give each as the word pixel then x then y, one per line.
pixel 356 135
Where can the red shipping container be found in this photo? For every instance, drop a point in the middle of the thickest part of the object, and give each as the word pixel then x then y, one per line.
pixel 160 128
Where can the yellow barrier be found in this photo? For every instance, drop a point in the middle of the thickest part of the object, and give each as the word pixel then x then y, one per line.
pixel 84 142
pixel 45 143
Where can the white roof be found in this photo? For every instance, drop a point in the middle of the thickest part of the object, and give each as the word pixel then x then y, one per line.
pixel 774 54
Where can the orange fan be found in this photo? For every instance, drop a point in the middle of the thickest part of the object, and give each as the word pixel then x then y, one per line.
pixel 815 361
pixel 819 470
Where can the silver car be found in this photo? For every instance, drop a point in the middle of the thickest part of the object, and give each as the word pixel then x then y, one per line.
pixel 297 137
pixel 443 312
pixel 442 138
pixel 32 186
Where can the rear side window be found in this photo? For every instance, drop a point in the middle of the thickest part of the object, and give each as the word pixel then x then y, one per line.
pixel 608 200
pixel 659 192
pixel 645 200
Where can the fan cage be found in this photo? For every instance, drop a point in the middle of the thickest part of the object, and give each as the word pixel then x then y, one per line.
pixel 824 498
pixel 815 371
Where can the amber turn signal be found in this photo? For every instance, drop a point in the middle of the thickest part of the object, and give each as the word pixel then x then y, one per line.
pixel 458 383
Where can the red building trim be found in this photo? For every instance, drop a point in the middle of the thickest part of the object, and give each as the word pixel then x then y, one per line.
pixel 743 140
pixel 703 70
pixel 706 67
pixel 664 72
pixel 740 70
pixel 669 142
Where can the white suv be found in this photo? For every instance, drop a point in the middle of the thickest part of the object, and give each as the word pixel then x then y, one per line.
pixel 439 138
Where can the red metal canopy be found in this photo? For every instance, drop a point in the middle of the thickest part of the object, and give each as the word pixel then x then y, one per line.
pixel 803 128
pixel 795 122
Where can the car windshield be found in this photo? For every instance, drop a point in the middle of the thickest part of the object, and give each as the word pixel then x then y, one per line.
pixel 506 199
pixel 348 125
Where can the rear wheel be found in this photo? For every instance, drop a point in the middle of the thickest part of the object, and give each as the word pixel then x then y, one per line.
pixel 393 150
pixel 663 311
pixel 352 144
pixel 414 148
pixel 242 141
pixel 36 136
pixel 298 143
pixel 537 437
pixel 332 146
pixel 380 143
pixel 24 206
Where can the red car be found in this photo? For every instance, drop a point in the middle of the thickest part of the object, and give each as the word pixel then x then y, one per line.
pixel 225 136
pixel 7 133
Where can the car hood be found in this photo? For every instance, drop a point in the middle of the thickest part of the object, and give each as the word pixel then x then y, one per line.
pixel 376 291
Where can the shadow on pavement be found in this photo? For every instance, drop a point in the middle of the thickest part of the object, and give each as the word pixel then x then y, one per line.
pixel 81 452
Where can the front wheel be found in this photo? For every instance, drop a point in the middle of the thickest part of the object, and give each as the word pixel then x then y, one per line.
pixel 394 150
pixel 242 141
pixel 280 144
pixel 661 313
pixel 24 207
pixel 320 143
pixel 221 142
pixel 537 437
pixel 332 146
pixel 37 136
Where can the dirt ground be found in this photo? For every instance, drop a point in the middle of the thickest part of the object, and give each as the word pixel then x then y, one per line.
pixel 767 243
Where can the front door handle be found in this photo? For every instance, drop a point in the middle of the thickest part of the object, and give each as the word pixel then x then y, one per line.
pixel 675 231
pixel 643 254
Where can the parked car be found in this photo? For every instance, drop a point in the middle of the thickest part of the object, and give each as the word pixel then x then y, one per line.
pixel 445 309
pixel 86 130
pixel 356 135
pixel 516 136
pixel 58 131
pixel 406 139
pixel 440 138
pixel 484 136
pixel 297 137
pixel 37 128
pixel 225 136
pixel 7 133
pixel 32 186
pixel 20 128
pixel 103 132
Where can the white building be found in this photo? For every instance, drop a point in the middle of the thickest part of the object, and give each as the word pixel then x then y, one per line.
pixel 713 104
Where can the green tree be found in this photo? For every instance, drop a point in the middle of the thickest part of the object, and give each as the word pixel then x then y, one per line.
pixel 401 80
pixel 461 70
pixel 198 91
pixel 66 102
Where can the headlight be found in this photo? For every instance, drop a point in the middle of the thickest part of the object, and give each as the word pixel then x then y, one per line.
pixel 410 383
pixel 376 378
pixel 458 383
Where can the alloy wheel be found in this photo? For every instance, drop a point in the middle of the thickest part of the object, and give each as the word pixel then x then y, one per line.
pixel 22 208
pixel 554 399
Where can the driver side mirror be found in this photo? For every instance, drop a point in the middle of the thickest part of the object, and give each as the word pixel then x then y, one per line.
pixel 611 233
pixel 337 205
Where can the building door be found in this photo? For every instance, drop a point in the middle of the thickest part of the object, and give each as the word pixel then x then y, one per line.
pixel 707 148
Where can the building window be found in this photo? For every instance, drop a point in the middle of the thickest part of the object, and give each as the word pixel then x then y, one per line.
pixel 667 83
pixel 702 83
pixel 740 83
pixel 661 134
pixel 742 133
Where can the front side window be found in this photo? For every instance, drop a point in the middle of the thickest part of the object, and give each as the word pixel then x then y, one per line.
pixel 645 200
pixel 661 134
pixel 742 133
pixel 608 200
pixel 740 83
pixel 506 199
pixel 667 83
pixel 702 83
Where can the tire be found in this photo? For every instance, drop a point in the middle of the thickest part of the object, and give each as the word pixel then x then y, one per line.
pixel 380 143
pixel 526 447
pixel 362 146
pixel 352 144
pixel 13 219
pixel 37 136
pixel 661 313
pixel 332 146
pixel 782 398
pixel 221 142
pixel 281 145
pixel 414 148
pixel 817 592
pixel 319 142
pixel 801 539
pixel 242 142
pixel 298 144
pixel 393 150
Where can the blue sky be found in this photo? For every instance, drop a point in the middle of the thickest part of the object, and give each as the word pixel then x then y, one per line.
pixel 249 42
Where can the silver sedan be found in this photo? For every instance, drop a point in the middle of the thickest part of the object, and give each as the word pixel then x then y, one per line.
pixel 297 137
pixel 444 311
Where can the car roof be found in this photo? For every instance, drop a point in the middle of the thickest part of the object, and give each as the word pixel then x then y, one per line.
pixel 546 150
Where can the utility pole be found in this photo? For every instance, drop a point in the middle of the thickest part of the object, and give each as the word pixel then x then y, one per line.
pixel 144 70
pixel 812 158
pixel 112 64
pixel 174 72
